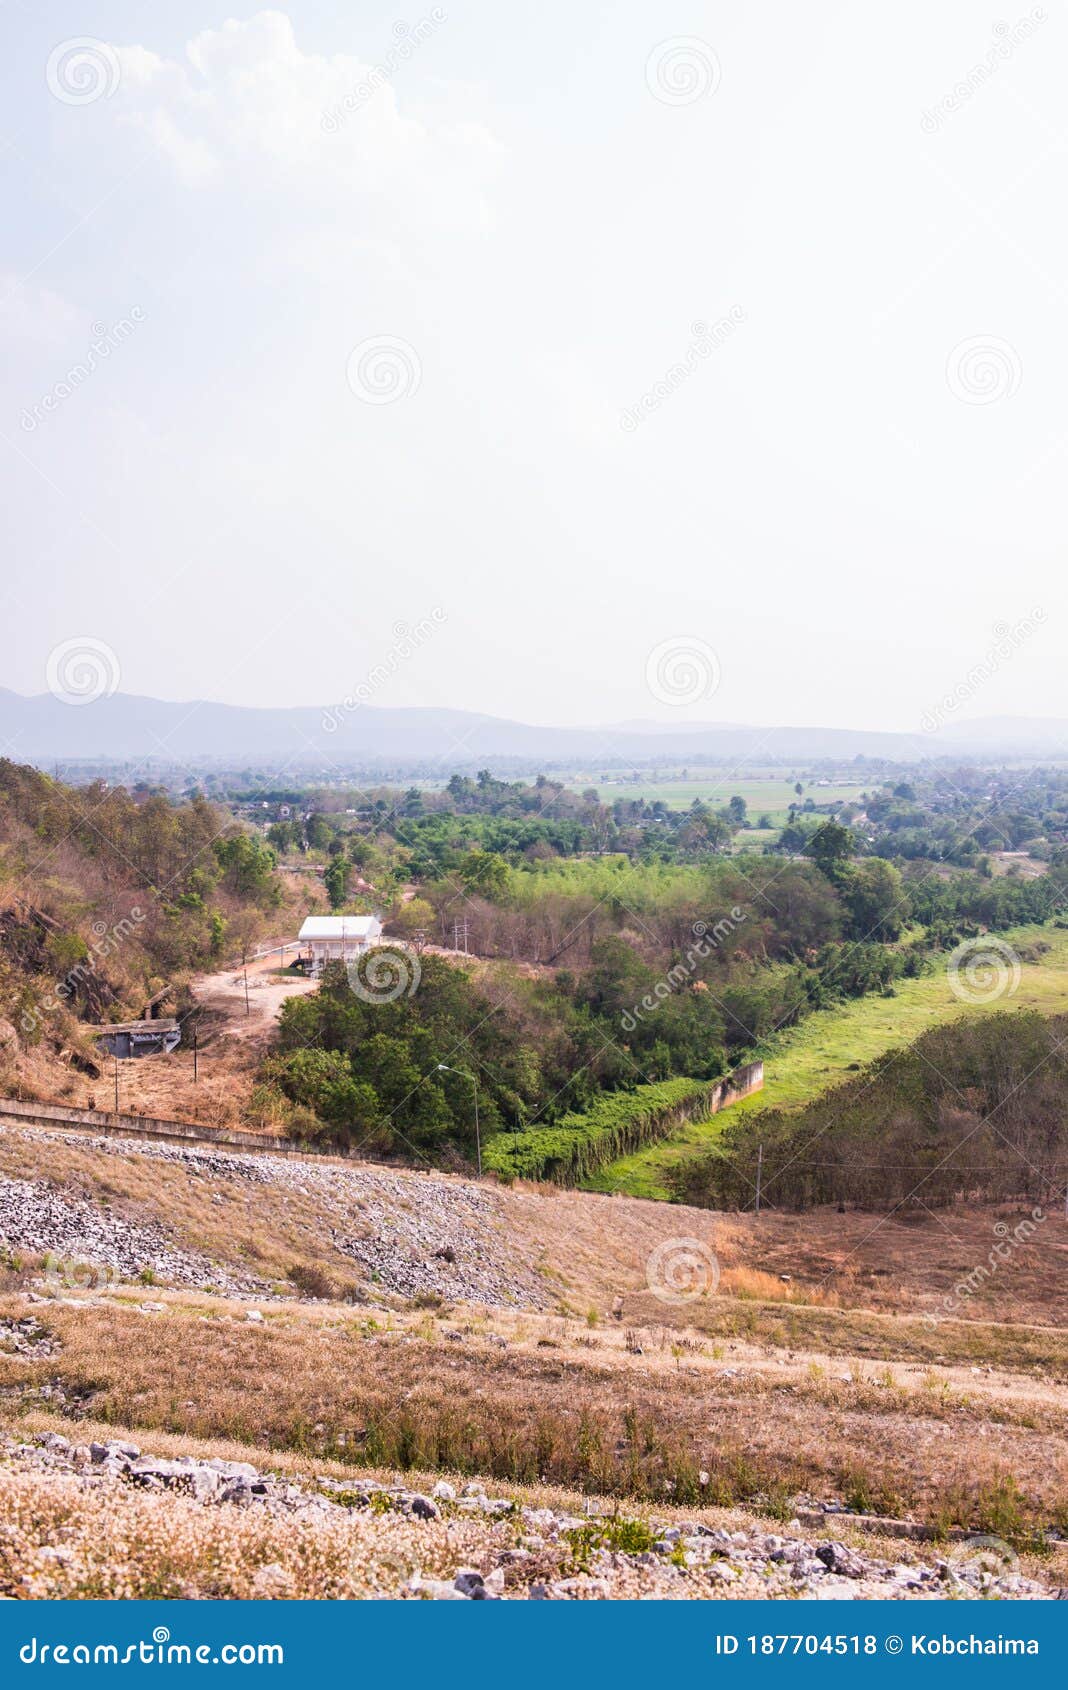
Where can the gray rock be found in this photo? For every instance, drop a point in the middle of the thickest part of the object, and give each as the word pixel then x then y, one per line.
pixel 469 1581
pixel 838 1559
pixel 436 1590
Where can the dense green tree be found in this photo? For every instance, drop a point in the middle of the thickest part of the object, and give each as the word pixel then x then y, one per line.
pixel 336 881
pixel 831 847
pixel 874 895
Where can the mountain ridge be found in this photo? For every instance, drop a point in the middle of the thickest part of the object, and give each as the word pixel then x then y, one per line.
pixel 124 726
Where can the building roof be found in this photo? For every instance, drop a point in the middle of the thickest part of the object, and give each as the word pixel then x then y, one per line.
pixel 162 1024
pixel 340 927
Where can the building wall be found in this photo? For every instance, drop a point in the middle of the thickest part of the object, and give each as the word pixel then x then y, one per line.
pixel 340 950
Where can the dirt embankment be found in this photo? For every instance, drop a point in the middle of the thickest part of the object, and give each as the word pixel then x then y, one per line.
pixel 364 1315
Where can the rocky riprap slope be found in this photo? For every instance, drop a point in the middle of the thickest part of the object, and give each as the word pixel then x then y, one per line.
pixel 411 1234
pixel 529 1553
pixel 86 1245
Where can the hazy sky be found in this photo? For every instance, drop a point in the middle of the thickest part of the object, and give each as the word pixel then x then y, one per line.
pixel 589 326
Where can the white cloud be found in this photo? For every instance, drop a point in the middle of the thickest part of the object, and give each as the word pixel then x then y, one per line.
pixel 248 106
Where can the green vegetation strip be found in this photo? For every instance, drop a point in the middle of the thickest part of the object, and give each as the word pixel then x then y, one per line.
pixel 617 1123
pixel 831 1044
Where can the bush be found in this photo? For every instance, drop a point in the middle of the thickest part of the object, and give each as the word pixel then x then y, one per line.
pixel 312 1281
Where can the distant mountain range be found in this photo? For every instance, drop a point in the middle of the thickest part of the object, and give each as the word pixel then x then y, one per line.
pixel 124 728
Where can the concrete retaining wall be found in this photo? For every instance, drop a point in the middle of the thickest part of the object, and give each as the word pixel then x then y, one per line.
pixel 143 1126
pixel 743 1082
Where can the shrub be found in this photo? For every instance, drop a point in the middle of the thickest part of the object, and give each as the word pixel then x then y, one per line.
pixel 311 1281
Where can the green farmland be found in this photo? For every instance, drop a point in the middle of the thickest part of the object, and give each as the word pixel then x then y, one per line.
pixel 827 1047
pixel 763 796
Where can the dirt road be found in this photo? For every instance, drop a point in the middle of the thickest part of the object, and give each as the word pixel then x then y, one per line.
pixel 223 993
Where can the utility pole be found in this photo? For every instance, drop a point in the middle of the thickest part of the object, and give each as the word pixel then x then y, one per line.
pixel 116 1085
pixel 195 1076
pixel 760 1169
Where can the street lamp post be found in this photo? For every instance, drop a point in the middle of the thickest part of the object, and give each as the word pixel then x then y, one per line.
pixel 443 1068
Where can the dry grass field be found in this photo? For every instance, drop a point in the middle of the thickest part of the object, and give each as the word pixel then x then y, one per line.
pixel 589 1250
pixel 811 1370
pixel 644 1411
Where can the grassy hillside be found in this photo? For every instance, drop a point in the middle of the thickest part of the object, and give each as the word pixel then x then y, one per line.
pixel 974 1109
pixel 832 1044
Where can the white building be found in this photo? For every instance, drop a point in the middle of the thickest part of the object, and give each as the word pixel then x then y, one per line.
pixel 338 938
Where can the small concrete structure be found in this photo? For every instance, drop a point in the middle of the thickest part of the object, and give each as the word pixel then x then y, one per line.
pixel 337 938
pixel 139 1038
